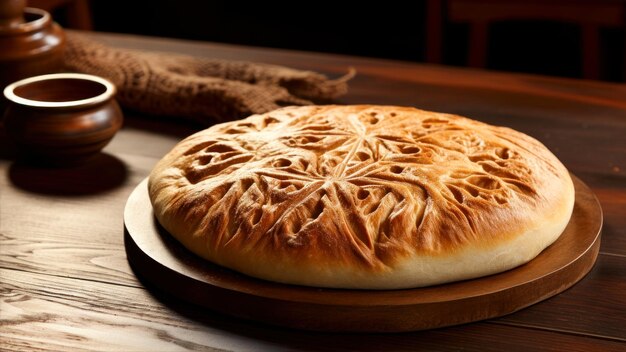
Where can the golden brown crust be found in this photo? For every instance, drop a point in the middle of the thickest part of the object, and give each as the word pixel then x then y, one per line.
pixel 362 196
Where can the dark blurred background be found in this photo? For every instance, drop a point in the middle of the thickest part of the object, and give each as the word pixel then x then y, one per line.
pixel 567 38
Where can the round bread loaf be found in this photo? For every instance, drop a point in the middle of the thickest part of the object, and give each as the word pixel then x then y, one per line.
pixel 368 197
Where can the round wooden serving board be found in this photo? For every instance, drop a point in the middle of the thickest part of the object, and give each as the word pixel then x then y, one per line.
pixel 158 258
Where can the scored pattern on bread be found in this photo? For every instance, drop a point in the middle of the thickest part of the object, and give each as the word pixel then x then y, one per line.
pixel 357 185
pixel 356 163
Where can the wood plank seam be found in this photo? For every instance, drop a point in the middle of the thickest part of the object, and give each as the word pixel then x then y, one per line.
pixel 560 331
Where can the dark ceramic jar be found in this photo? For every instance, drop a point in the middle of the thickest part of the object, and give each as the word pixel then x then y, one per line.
pixel 61 118
pixel 31 43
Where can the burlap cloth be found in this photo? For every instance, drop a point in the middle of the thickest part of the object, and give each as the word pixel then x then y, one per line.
pixel 203 89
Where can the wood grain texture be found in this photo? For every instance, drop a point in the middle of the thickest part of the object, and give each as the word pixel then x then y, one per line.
pixel 40 311
pixel 49 313
pixel 65 284
pixel 602 291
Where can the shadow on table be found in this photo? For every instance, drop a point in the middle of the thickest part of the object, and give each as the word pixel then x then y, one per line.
pixel 282 338
pixel 98 174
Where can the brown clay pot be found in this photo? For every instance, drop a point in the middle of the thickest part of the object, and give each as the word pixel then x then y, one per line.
pixel 62 118
pixel 31 43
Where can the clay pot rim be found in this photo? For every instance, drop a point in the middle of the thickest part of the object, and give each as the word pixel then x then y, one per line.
pixel 109 91
pixel 29 26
